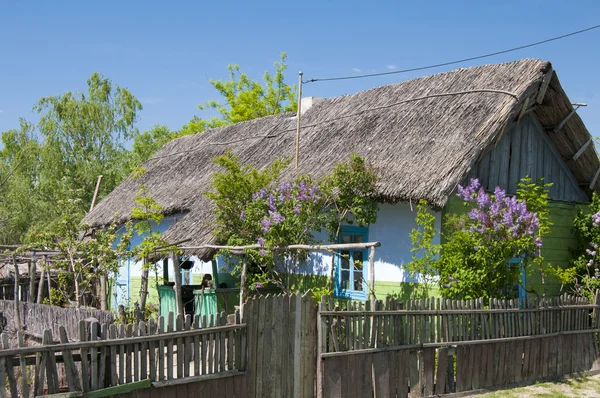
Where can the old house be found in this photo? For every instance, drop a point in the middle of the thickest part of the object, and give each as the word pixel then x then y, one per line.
pixel 425 136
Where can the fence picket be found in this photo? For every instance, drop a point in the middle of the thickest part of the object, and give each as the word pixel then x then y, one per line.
pixel 170 343
pixel 51 370
pixel 23 365
pixel 10 374
pixel 3 374
pixel 70 368
pixel 187 348
pixel 122 355
pixel 102 361
pixel 85 370
pixel 112 335
pixel 152 350
pixel 136 353
pixel 161 350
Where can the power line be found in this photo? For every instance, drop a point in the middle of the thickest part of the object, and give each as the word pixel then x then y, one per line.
pixel 537 43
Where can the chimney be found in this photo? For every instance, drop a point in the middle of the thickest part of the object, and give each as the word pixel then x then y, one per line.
pixel 308 102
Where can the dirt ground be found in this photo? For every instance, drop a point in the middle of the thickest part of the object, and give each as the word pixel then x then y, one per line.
pixel 579 387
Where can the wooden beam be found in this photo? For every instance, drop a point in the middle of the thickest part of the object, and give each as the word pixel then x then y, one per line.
pixel 544 87
pixel 593 182
pixel 177 287
pixel 195 379
pixel 339 246
pixel 122 389
pixel 582 149
pixel 523 110
pixel 372 276
pixel 243 286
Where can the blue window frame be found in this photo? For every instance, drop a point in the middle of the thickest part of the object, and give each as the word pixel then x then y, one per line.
pixel 351 273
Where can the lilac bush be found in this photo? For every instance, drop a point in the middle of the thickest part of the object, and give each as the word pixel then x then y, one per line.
pixel 584 274
pixel 498 227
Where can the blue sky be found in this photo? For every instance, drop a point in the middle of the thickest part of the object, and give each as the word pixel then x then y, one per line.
pixel 165 52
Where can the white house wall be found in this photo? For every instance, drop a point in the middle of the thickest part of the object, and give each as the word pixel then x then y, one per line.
pixel 392 229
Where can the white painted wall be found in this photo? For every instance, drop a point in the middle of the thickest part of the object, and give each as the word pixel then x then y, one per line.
pixel 392 229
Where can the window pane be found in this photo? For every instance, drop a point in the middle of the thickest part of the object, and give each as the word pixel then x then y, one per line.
pixel 358 238
pixel 345 255
pixel 345 282
pixel 358 261
pixel 346 239
pixel 358 285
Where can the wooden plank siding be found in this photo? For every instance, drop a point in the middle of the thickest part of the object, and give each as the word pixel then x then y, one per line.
pixel 525 149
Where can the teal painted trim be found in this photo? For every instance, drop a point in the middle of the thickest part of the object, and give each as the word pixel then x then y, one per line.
pixel 338 291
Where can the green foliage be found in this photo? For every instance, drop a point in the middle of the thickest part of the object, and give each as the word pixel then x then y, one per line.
pixel 475 258
pixel 535 195
pixel 246 99
pixel 350 195
pixel 233 190
pixel 583 276
pixel 84 255
pixel 147 143
pixel 84 136
pixel 253 206
pixel 19 179
pixel 425 253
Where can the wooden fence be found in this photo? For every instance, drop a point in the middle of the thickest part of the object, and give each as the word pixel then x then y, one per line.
pixel 400 350
pixel 282 343
pixel 110 359
pixel 36 318
pixel 287 346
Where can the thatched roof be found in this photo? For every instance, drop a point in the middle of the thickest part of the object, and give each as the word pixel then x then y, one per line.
pixel 422 135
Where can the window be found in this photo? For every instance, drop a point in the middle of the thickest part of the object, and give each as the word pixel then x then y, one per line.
pixel 351 274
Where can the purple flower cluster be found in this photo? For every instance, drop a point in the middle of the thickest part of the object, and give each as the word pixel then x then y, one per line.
pixel 498 215
pixel 592 253
pixel 596 219
pixel 279 196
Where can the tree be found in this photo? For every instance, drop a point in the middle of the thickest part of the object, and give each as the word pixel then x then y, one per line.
pixel 247 99
pixel 241 99
pixel 350 193
pixel 147 143
pixel 84 136
pixel 19 176
pixel 256 207
pixel 424 252
pixel 84 256
pixel 146 215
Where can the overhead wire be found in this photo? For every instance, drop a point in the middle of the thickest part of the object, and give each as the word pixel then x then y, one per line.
pixel 537 43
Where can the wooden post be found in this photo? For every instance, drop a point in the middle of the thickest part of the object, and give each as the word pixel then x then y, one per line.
pixel 32 273
pixel 96 192
pixel 16 295
pixel 215 272
pixel 40 291
pixel 103 293
pixel 177 279
pixel 242 287
pixel 143 287
pixel 372 276
pixel 49 280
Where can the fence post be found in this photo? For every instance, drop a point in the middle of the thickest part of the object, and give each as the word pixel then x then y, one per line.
pixel 596 312
pixel 372 276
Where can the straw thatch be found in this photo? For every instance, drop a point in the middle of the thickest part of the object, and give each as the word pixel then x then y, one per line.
pixel 422 135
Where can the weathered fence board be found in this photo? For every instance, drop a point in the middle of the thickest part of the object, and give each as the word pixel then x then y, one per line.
pixel 100 360
pixel 503 344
